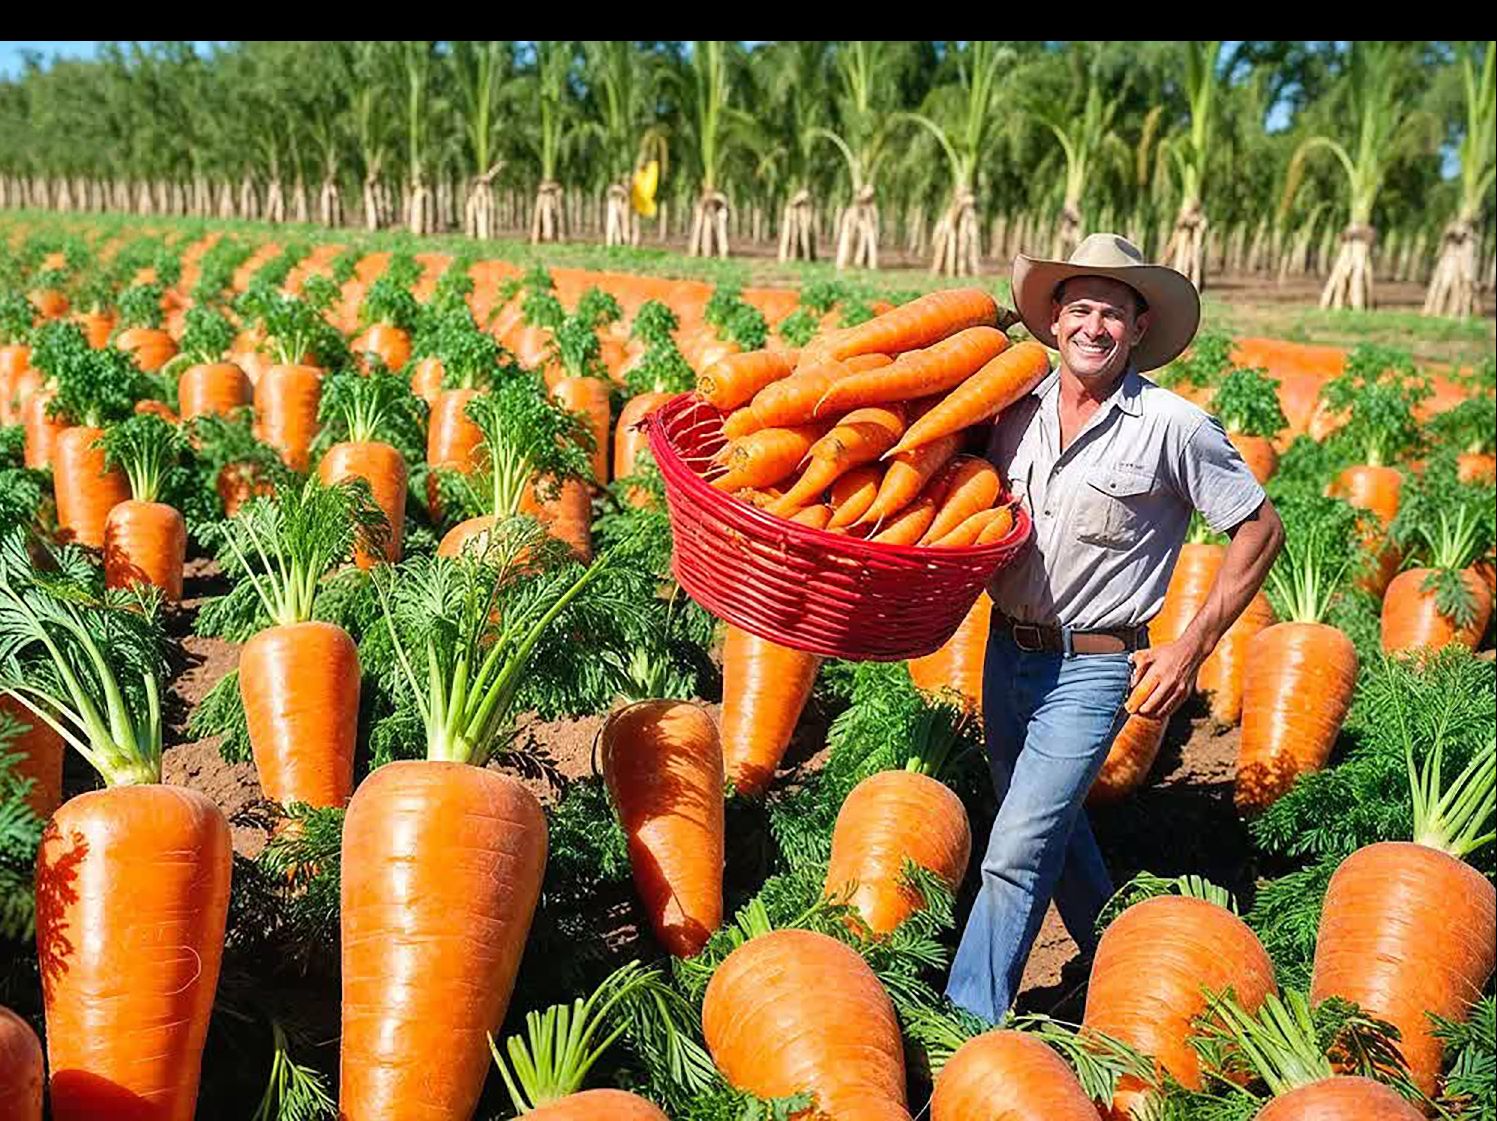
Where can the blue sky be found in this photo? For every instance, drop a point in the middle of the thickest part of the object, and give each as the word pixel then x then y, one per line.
pixel 13 51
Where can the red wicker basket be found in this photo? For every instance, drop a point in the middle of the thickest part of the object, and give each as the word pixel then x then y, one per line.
pixel 826 593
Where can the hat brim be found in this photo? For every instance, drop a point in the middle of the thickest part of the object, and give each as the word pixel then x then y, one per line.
pixel 1174 304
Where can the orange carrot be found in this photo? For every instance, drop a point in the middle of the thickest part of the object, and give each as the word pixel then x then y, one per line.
pixel 1222 672
pixel 1257 452
pixel 740 422
pixel 21 1069
pixel 390 344
pixel 1190 585
pixel 39 750
pixel 452 438
pixel 908 525
pixel 816 516
pixel 919 374
pixel 765 687
pixel 1377 947
pixel 957 665
pixel 888 818
pixel 426 381
pixel 1151 973
pixel 130 866
pixel 151 347
pixel 999 528
pixel 384 469
pixel 922 322
pixel 589 397
pixel 1296 688
pixel 1008 1076
pixel 767 457
pixel 968 484
pixel 858 438
pixel 433 854
pixel 853 493
pixel 41 430
pixel 216 388
pixel 86 490
pixel 1412 618
pixel 793 1011
pixel 145 543
pixel 567 516
pixel 629 439
pixel 286 401
pixel 663 764
pixel 907 475
pixel 1128 761
pixel 733 380
pixel 1345 1097
pixel 969 530
pixel 598 1105
pixel 300 687
pixel 1001 382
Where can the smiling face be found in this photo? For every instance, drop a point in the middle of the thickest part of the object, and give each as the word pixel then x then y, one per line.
pixel 1097 323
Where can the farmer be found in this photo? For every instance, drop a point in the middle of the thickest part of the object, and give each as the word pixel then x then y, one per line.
pixel 1109 466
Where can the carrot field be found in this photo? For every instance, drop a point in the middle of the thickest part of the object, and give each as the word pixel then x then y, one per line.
pixel 363 756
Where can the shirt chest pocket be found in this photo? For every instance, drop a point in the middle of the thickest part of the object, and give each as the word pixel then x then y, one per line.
pixel 1112 509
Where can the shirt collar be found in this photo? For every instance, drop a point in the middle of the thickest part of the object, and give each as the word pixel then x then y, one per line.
pixel 1128 396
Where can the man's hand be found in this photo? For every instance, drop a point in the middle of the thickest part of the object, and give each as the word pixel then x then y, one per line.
pixel 1163 677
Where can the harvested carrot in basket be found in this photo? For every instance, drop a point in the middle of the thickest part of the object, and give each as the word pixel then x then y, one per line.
pixel 860 437
pixel 909 525
pixel 906 476
pixel 971 485
pixel 920 323
pixel 965 534
pixel 793 400
pixel 1001 382
pixel 733 381
pixel 762 459
pixel 814 516
pixel 999 528
pixel 853 493
pixel 921 373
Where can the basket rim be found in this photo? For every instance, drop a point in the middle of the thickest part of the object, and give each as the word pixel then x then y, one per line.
pixel 675 468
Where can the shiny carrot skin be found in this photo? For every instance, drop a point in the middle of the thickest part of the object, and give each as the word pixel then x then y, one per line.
pixel 143 869
pixel 1001 382
pixel 733 380
pixel 816 517
pixel 888 818
pixel 286 401
pixel 662 762
pixel 765 687
pixel 21 1070
pixel 1412 620
pixel 907 475
pixel 957 666
pixel 766 457
pixel 384 469
pixel 937 369
pixel 1223 670
pixel 1008 1076
pixel 970 484
pixel 39 751
pixel 598 1105
pixel 794 1011
pixel 86 491
pixel 215 389
pixel 853 493
pixel 589 397
pixel 968 530
pixel 145 543
pixel 441 871
pixel 300 688
pixel 907 526
pixel 922 322
pixel 1129 760
pixel 1344 1097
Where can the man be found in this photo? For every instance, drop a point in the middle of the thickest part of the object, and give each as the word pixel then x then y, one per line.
pixel 1110 467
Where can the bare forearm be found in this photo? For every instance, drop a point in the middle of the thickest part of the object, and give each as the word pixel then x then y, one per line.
pixel 1254 545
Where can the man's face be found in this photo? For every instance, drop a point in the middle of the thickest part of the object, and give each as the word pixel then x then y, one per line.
pixel 1096 326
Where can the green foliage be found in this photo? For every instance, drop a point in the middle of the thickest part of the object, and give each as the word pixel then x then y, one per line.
pixel 294 1092
pixel 16 317
pixel 207 335
pixel 1378 392
pixel 1469 427
pixel 148 449
pixel 390 302
pixel 1147 885
pixel 527 435
pixel 654 322
pixel 661 369
pixel 23 491
pixel 820 296
pixel 20 836
pixel 1207 361
pixel 798 327
pixel 1247 401
pixel 223 447
pixel 216 269
pixel 1320 545
pixel 578 348
pixel 734 320
pixel 140 306
pixel 379 406
pixel 303 860
pixel 295 330
pixel 1470 1084
pixel 542 309
pixel 221 711
pixel 598 308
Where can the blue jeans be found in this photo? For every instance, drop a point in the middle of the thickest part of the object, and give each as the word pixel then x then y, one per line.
pixel 1049 720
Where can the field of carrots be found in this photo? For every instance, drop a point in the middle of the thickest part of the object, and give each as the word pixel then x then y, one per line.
pixel 372 748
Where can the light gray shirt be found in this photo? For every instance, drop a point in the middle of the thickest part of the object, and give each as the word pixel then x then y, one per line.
pixel 1111 512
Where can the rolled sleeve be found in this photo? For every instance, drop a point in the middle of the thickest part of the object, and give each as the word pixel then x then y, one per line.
pixel 1216 480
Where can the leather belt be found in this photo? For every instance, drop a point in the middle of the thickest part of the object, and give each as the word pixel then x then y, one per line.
pixel 1036 638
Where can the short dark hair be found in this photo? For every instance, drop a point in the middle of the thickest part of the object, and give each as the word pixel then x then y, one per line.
pixel 1140 305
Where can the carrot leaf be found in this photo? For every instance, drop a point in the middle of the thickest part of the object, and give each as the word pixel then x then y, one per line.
pixel 378 406
pixel 1247 401
pixel 526 435
pixel 798 327
pixel 87 663
pixel 20 836
pixel 294 1092
pixel 147 448
pixel 654 322
pixel 206 336
pixel 1319 547
pixel 1209 358
pixel 16 317
pixel 1470 1085
pixel 1147 885
pixel 661 369
pixel 1378 393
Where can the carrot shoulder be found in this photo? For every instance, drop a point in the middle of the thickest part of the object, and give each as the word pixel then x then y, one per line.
pixel 920 323
pixel 733 380
pixel 919 374
pixel 1001 382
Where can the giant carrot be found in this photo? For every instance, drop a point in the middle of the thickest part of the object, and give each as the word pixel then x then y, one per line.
pixel 86 488
pixel 765 687
pixel 1446 600
pixel 1001 382
pixel 1128 761
pixel 21 1070
pixel 793 400
pixel 1221 674
pixel 1154 966
pixel 957 665
pixel 630 437
pixel 923 373
pixel 1376 489
pixel 38 751
pixel 132 880
pixel 1342 1097
pixel 145 539
pixel 793 1011
pixel 662 761
pixel 217 388
pixel 1376 945
pixel 1247 404
pixel 438 849
pixel 598 1105
pixel 286 404
pixel 299 679
pixel 922 322
pixel 452 439
pixel 1299 676
pixel 151 347
pixel 587 396
pixel 887 819
pixel 733 381
pixel 42 428
pixel 1008 1076
pixel 366 409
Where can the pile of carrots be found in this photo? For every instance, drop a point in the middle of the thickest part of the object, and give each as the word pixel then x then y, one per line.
pixel 862 432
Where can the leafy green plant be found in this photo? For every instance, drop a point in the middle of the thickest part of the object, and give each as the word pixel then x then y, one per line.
pixel 294 1092
pixel 149 450
pixel 798 327
pixel 379 406
pixel 1470 1084
pixel 20 836
pixel 16 318
pixel 206 337
pixel 140 306
pixel 1208 359
pixel 654 322
pixel 661 369
pixel 1247 401
pixel 1379 393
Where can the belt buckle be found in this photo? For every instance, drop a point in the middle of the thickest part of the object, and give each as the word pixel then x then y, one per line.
pixel 1032 647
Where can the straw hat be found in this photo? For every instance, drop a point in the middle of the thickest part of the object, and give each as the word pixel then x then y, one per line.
pixel 1174 304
